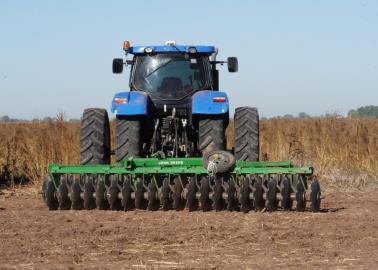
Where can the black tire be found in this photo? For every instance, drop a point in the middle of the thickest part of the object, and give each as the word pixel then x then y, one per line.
pixel 128 137
pixel 271 195
pixel 89 201
pixel 48 194
pixel 177 194
pixel 191 199
pixel 95 137
pixel 101 201
pixel 247 140
pixel 211 133
pixel 76 200
pixel 286 202
pixel 62 194
pixel 204 191
pixel 223 160
pixel 315 196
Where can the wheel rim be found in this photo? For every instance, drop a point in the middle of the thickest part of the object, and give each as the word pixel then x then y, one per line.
pixel 218 161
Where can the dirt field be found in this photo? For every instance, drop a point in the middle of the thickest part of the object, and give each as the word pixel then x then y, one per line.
pixel 343 236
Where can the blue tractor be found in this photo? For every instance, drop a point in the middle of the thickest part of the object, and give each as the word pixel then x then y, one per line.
pixel 170 145
pixel 174 108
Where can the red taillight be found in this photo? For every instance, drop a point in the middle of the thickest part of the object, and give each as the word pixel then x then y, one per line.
pixel 219 99
pixel 120 100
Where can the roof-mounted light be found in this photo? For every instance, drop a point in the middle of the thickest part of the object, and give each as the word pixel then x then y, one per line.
pixel 126 45
pixel 192 50
pixel 148 50
pixel 170 43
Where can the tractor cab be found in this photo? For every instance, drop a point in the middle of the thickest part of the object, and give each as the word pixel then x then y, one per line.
pixel 171 74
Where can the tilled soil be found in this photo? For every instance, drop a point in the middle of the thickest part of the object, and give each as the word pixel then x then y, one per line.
pixel 343 236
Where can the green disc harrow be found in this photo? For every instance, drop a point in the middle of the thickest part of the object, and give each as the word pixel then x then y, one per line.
pixel 179 183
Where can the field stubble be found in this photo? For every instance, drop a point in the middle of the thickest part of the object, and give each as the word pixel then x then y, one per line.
pixel 342 151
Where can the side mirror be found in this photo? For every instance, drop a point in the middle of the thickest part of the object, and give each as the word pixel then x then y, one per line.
pixel 117 65
pixel 232 63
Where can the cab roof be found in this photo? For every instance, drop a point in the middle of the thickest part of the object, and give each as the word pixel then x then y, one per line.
pixel 172 48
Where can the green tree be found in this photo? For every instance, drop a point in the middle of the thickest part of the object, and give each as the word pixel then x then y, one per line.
pixel 365 111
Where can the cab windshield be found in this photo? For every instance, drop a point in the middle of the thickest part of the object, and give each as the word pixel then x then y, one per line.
pixel 170 76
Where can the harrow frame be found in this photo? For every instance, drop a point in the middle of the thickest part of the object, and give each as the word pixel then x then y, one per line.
pixel 247 186
pixel 177 166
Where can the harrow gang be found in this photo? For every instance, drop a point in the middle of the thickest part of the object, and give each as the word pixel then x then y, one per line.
pixel 178 183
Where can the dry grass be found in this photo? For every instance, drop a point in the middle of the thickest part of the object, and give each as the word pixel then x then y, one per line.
pixel 26 149
pixel 343 151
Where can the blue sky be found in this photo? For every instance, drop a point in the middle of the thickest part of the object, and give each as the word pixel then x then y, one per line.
pixel 312 56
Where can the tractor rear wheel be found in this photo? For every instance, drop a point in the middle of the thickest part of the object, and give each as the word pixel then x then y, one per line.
pixel 95 137
pixel 211 133
pixel 247 141
pixel 128 137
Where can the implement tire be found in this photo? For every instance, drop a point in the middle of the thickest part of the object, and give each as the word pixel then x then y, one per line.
pixel 95 137
pixel 211 133
pixel 247 140
pixel 128 137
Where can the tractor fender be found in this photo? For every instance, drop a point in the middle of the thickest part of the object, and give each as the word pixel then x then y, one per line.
pixel 210 102
pixel 130 103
